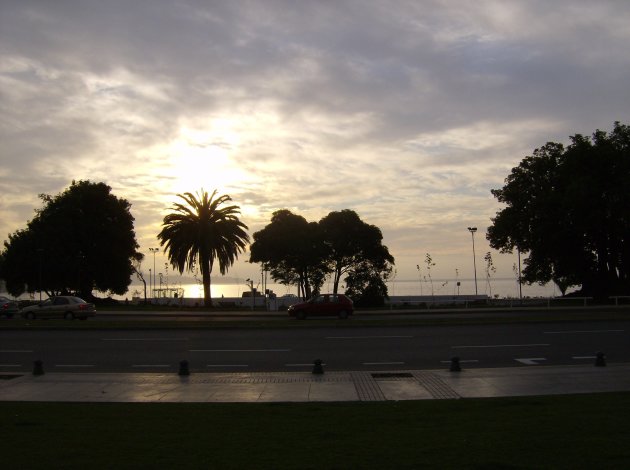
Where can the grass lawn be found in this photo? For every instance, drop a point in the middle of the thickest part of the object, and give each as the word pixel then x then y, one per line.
pixel 577 431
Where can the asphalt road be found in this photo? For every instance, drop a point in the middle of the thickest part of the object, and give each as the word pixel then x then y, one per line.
pixel 288 349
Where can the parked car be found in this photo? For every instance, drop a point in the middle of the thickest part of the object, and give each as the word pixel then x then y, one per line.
pixel 324 304
pixel 62 306
pixel 8 307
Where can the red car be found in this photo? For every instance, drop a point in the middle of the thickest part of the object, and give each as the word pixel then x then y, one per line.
pixel 325 304
pixel 8 307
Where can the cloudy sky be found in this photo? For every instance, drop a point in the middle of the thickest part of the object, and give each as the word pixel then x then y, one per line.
pixel 407 112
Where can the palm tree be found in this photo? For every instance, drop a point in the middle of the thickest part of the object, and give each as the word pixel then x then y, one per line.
pixel 200 232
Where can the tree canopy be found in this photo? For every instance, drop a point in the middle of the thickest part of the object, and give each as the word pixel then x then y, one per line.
pixel 569 210
pixel 292 250
pixel 351 242
pixel 200 232
pixel 81 240
pixel 302 253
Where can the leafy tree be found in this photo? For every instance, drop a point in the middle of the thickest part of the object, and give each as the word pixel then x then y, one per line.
pixel 81 240
pixel 297 252
pixel 137 269
pixel 568 209
pixel 366 283
pixel 292 250
pixel 351 242
pixel 201 232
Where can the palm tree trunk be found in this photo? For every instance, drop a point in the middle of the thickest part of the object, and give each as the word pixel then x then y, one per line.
pixel 206 269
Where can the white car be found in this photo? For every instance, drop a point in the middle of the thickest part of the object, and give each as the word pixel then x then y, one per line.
pixel 62 306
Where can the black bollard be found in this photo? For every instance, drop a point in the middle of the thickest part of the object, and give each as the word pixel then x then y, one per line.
pixel 600 360
pixel 38 367
pixel 455 367
pixel 317 367
pixel 183 368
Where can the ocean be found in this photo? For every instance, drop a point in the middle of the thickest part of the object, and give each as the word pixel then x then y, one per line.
pixel 499 288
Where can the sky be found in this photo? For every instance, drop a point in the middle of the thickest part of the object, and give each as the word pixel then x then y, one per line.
pixel 408 112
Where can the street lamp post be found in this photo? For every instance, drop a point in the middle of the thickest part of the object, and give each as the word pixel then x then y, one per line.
pixel 472 231
pixel 154 251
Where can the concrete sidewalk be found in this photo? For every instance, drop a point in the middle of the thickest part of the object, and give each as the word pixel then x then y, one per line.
pixel 307 387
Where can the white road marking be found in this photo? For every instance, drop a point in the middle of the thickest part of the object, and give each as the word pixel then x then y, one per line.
pixel 369 337
pixel 581 331
pixel 239 350
pixel 151 365
pixel 303 365
pixel 462 361
pixel 531 361
pixel 227 365
pixel 144 339
pixel 383 363
pixel 74 365
pixel 500 346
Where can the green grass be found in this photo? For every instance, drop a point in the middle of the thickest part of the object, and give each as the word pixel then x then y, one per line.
pixel 576 431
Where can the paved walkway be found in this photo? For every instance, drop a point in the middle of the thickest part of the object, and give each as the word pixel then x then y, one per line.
pixel 307 387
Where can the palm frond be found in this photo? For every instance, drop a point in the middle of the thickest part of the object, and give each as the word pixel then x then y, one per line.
pixel 199 232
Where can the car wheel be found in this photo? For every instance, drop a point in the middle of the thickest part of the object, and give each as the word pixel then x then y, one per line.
pixel 69 316
pixel 343 315
pixel 30 316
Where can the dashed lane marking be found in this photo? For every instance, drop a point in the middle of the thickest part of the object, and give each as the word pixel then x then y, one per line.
pixel 303 365
pixel 531 361
pixel 239 350
pixel 144 339
pixel 500 346
pixel 462 361
pixel 227 365
pixel 369 337
pixel 383 363
pixel 75 365
pixel 151 365
pixel 570 332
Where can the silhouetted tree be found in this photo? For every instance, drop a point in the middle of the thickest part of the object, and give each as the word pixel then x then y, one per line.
pixel 366 283
pixel 351 242
pixel 137 268
pixel 81 240
pixel 201 232
pixel 293 251
pixel 568 209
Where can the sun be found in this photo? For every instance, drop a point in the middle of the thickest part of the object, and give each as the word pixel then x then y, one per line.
pixel 199 160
